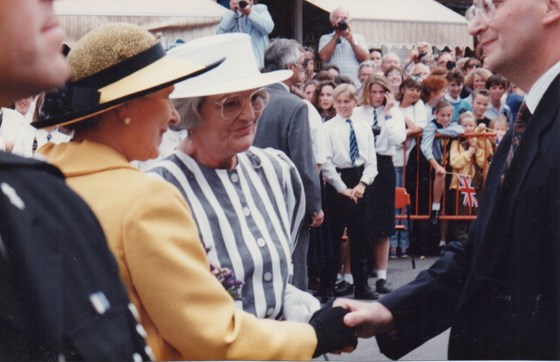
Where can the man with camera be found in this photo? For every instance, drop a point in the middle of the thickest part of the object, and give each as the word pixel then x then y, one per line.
pixel 253 19
pixel 343 48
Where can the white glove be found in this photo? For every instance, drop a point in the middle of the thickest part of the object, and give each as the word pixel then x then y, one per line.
pixel 299 306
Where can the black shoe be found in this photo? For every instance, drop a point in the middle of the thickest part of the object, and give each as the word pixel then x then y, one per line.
pixel 343 288
pixel 383 287
pixel 434 217
pixel 365 293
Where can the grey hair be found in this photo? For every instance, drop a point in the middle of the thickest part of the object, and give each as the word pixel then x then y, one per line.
pixel 281 53
pixel 189 110
pixel 367 64
pixel 332 17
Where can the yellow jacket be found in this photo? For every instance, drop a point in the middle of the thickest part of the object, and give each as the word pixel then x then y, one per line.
pixel 185 310
pixel 461 161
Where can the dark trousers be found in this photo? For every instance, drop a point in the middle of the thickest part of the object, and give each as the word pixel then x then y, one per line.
pixel 343 212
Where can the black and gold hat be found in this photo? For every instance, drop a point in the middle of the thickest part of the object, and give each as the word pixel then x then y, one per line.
pixel 109 66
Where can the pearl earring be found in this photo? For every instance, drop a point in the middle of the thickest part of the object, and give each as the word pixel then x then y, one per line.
pixel 127 121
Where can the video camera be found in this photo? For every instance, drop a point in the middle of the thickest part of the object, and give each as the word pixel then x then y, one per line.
pixel 342 25
pixel 243 4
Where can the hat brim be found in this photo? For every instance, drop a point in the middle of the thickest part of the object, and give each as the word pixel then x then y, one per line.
pixel 159 75
pixel 188 89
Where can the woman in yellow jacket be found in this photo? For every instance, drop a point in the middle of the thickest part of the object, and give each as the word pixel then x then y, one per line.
pixel 117 103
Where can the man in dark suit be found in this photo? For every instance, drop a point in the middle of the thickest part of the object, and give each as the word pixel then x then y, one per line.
pixel 500 294
pixel 284 125
pixel 60 293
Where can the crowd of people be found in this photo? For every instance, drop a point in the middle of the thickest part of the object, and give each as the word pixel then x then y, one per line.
pixel 223 193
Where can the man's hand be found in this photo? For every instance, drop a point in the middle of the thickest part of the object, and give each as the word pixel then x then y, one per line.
pixel 368 319
pixel 318 219
pixel 346 34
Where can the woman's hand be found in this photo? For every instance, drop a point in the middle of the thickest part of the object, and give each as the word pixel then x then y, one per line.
pixel 389 103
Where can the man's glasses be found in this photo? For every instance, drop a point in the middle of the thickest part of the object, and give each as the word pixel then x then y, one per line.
pixel 484 8
pixel 232 106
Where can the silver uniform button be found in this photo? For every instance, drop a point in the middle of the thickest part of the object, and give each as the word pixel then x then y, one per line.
pixel 150 353
pixel 246 211
pixel 141 331
pixel 234 177
pixel 267 276
pixel 269 311
pixel 261 242
pixel 99 302
pixel 134 311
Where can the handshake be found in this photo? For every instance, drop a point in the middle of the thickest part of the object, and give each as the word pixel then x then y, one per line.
pixel 338 325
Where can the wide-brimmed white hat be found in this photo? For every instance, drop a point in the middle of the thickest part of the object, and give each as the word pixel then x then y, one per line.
pixel 237 73
pixel 109 66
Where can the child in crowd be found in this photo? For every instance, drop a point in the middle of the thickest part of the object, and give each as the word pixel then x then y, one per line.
pixel 469 156
pixel 500 125
pixel 480 99
pixel 453 96
pixel 350 168
pixel 436 151
pixel 497 86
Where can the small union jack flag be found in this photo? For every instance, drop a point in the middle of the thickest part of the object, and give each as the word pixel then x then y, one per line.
pixel 467 190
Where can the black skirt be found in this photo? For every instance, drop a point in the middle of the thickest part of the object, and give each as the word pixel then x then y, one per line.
pixel 381 214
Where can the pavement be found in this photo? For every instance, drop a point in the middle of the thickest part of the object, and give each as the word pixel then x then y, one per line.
pixel 399 273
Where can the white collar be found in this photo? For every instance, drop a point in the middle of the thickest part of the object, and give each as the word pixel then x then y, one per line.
pixel 538 89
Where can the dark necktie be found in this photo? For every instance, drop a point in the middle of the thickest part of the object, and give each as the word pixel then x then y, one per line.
pixel 519 126
pixel 354 151
pixel 375 128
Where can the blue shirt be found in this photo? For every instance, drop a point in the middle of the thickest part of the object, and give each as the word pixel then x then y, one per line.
pixel 258 24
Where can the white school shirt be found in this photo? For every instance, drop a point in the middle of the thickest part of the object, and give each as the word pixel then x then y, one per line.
pixel 417 113
pixel 337 133
pixel 393 130
pixel 318 140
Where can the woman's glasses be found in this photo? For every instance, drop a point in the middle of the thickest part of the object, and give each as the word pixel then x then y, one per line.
pixel 232 106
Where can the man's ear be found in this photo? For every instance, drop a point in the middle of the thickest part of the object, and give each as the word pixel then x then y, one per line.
pixel 552 14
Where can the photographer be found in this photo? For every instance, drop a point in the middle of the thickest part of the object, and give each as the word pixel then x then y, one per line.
pixel 253 19
pixel 343 48
pixel 421 53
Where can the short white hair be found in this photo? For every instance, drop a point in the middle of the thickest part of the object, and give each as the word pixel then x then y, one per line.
pixel 332 17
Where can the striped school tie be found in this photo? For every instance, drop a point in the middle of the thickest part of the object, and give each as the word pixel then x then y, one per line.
pixel 354 151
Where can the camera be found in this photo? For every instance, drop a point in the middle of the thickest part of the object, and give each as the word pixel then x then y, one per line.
pixel 342 25
pixel 243 4
pixel 450 65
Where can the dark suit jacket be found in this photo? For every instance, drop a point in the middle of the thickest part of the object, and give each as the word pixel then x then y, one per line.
pixel 60 292
pixel 500 294
pixel 284 125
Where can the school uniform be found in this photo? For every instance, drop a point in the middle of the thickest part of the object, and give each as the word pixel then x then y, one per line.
pixel 341 172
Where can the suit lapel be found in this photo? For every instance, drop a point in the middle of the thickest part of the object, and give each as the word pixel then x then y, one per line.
pixel 497 212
